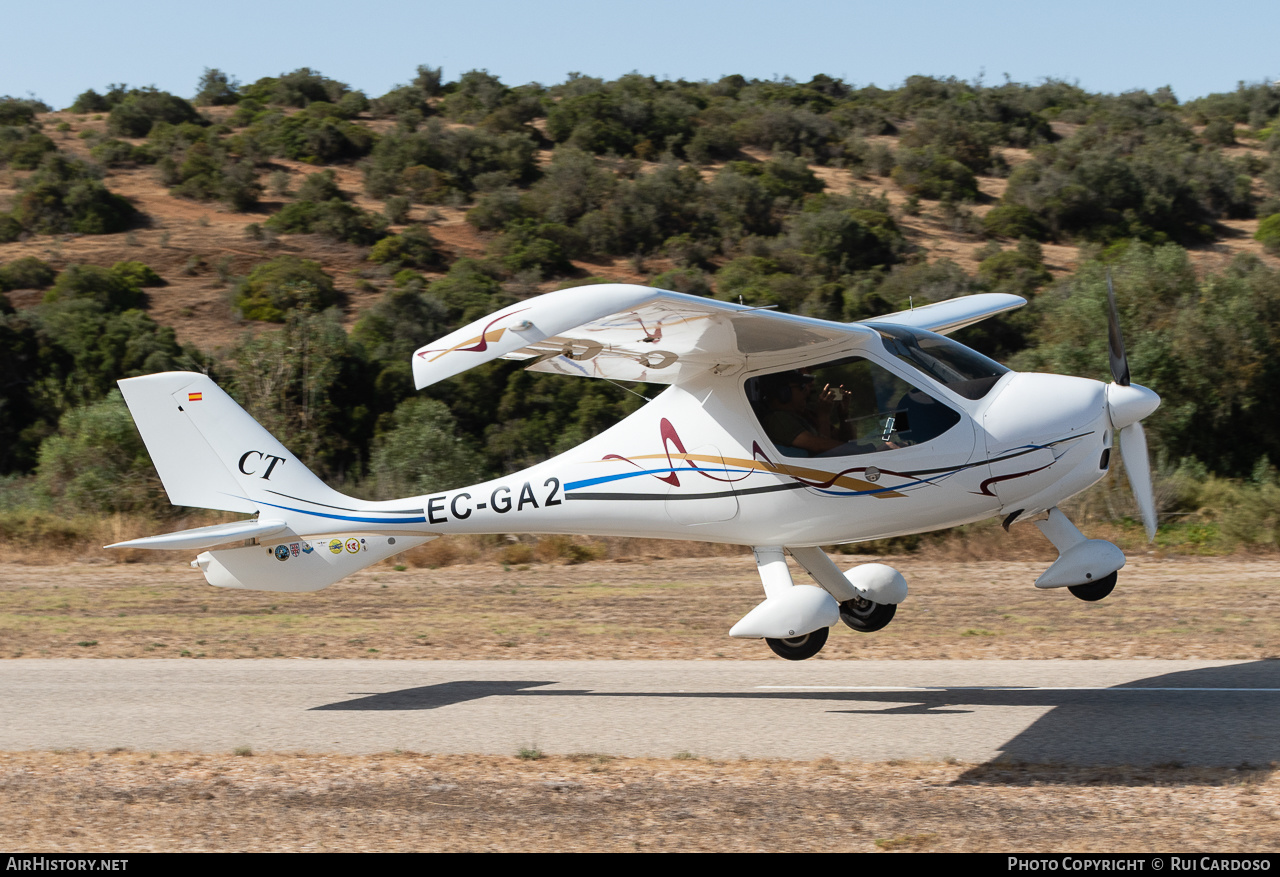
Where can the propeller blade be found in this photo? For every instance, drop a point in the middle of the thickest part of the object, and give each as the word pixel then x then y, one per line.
pixel 1115 341
pixel 1133 447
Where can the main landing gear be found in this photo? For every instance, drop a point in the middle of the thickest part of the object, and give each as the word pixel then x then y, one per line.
pixel 797 648
pixel 864 616
pixel 795 621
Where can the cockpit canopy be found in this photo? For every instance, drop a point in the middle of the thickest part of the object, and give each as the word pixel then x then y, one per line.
pixel 961 370
pixel 854 405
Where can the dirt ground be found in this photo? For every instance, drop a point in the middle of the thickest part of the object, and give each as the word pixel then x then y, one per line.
pixel 135 801
pixel 127 801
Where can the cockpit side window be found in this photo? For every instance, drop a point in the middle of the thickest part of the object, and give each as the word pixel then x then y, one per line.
pixel 844 408
pixel 963 371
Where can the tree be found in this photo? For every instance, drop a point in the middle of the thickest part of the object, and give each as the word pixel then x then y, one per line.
pixel 98 463
pixel 216 89
pixel 419 451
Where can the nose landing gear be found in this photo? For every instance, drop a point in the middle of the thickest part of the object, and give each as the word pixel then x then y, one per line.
pixel 1094 591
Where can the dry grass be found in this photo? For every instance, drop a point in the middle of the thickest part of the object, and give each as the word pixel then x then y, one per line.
pixel 133 802
pixel 1210 608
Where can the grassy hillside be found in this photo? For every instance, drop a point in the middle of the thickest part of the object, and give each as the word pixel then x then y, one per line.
pixel 296 212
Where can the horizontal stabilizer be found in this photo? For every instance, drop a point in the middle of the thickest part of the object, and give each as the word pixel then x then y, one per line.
pixel 946 317
pixel 206 537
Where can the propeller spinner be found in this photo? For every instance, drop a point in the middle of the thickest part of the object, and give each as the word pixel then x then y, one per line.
pixel 1127 405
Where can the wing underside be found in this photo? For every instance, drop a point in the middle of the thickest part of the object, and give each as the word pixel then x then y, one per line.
pixel 634 333
pixel 624 333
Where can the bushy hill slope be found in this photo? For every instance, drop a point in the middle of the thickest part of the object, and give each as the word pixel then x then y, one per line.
pixel 297 213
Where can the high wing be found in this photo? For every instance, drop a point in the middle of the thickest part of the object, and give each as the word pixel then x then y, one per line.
pixel 946 317
pixel 625 333
pixel 635 333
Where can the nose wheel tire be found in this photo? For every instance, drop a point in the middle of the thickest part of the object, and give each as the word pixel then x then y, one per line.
pixel 1094 591
pixel 865 616
pixel 797 648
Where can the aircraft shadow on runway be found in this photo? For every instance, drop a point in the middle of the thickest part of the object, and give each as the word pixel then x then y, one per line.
pixel 1214 716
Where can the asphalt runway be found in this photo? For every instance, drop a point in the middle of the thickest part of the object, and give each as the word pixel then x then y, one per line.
pixel 1211 713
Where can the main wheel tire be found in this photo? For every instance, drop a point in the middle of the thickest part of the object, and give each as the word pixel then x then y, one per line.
pixel 797 648
pixel 1094 591
pixel 865 616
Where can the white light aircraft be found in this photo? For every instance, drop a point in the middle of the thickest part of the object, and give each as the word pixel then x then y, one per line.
pixel 779 432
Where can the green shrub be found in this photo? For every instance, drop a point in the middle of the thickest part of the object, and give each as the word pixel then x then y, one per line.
pixel 335 218
pixel 645 211
pixel 400 100
pixel 401 321
pixel 304 385
pixel 543 247
pixel 66 195
pixel 247 112
pixel 396 209
pixel 23 148
pixel 635 115
pixel 469 291
pixel 798 130
pixel 98 463
pixel 931 174
pixel 476 94
pixel 26 273
pixel 1269 234
pixel 209 173
pixel 497 209
pixel 143 107
pixel 20 111
pixel 300 88
pixel 114 153
pixel 110 289
pixel 435 161
pixel 688 280
pixel 786 177
pixel 92 102
pixel 763 281
pixel 1220 132
pixel 415 248
pixel 1013 221
pixel 352 104
pixel 712 143
pixel 842 239
pixel 10 228
pixel 1134 172
pixel 1016 271
pixel 317 136
pixel 274 287
pixel 137 274
pixel 321 186
pixel 574 184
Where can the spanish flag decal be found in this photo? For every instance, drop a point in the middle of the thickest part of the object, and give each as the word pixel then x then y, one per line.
pixel 194 397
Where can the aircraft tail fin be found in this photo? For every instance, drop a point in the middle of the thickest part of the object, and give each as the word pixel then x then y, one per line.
pixel 209 452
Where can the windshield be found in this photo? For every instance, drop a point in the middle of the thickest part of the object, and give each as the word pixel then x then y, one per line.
pixel 962 371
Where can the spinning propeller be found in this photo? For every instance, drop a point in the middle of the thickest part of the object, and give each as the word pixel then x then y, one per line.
pixel 1127 405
